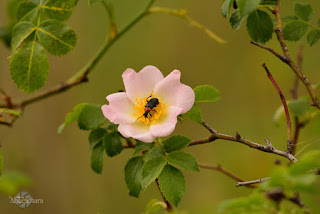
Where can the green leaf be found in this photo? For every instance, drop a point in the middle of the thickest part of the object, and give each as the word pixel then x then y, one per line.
pixel 58 9
pixel 141 146
pixel 269 2
pixel 96 136
pixel 260 26
pixel 113 144
pixel 133 175
pixel 183 160
pixel 295 30
pixel 176 143
pixel 194 114
pixel 151 170
pixel 156 151
pixel 298 107
pixel 97 157
pixel 308 161
pixel 93 2
pixel 72 116
pixel 28 11
pixel 91 117
pixel 20 32
pixel 225 8
pixel 10 111
pixel 303 11
pixel 1 162
pixel 12 7
pixel 29 67
pixel 58 38
pixel 10 182
pixel 172 184
pixel 313 37
pixel 247 6
pixel 206 93
pixel 288 18
pixel 236 20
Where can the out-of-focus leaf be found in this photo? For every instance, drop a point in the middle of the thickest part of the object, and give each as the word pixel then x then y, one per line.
pixel 10 111
pixel 236 20
pixel 225 8
pixel 303 11
pixel 10 182
pixel 247 6
pixel 295 30
pixel 93 2
pixel 154 205
pixel 298 107
pixel 313 37
pixel 72 116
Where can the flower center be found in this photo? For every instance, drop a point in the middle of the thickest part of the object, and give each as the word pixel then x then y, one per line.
pixel 148 113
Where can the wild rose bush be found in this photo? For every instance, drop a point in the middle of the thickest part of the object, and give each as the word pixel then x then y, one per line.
pixel 144 117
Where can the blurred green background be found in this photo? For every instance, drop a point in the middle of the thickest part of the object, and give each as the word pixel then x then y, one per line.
pixel 60 165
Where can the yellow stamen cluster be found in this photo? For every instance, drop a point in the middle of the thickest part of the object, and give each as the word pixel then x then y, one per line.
pixel 156 112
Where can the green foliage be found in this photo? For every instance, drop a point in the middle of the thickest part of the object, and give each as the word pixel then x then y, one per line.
pixel 28 11
pixel 141 146
pixel 176 143
pixel 172 184
pixel 10 182
pixel 295 30
pixel 20 32
pixel 133 175
pixel 269 2
pixel 56 37
pixel 72 116
pixel 97 156
pixel 58 9
pixel 183 160
pixel 151 170
pixel 303 11
pixel 10 111
pixel 94 2
pixel 247 6
pixel 154 205
pixel 194 114
pixel 236 20
pixel 313 37
pixel 29 67
pixel 96 135
pixel 225 8
pixel 260 26
pixel 206 93
pixel 298 107
pixel 91 117
pixel 113 144
pixel 156 151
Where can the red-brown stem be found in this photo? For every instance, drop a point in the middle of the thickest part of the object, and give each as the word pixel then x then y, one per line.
pixel 169 206
pixel 224 171
pixel 284 103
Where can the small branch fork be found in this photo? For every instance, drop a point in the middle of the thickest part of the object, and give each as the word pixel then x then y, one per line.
pixel 285 106
pixel 287 58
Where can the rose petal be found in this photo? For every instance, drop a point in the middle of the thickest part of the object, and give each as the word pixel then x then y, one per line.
pixel 164 127
pixel 140 85
pixel 174 93
pixel 137 131
pixel 120 109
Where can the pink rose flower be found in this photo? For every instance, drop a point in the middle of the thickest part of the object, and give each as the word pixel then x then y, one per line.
pixel 159 118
